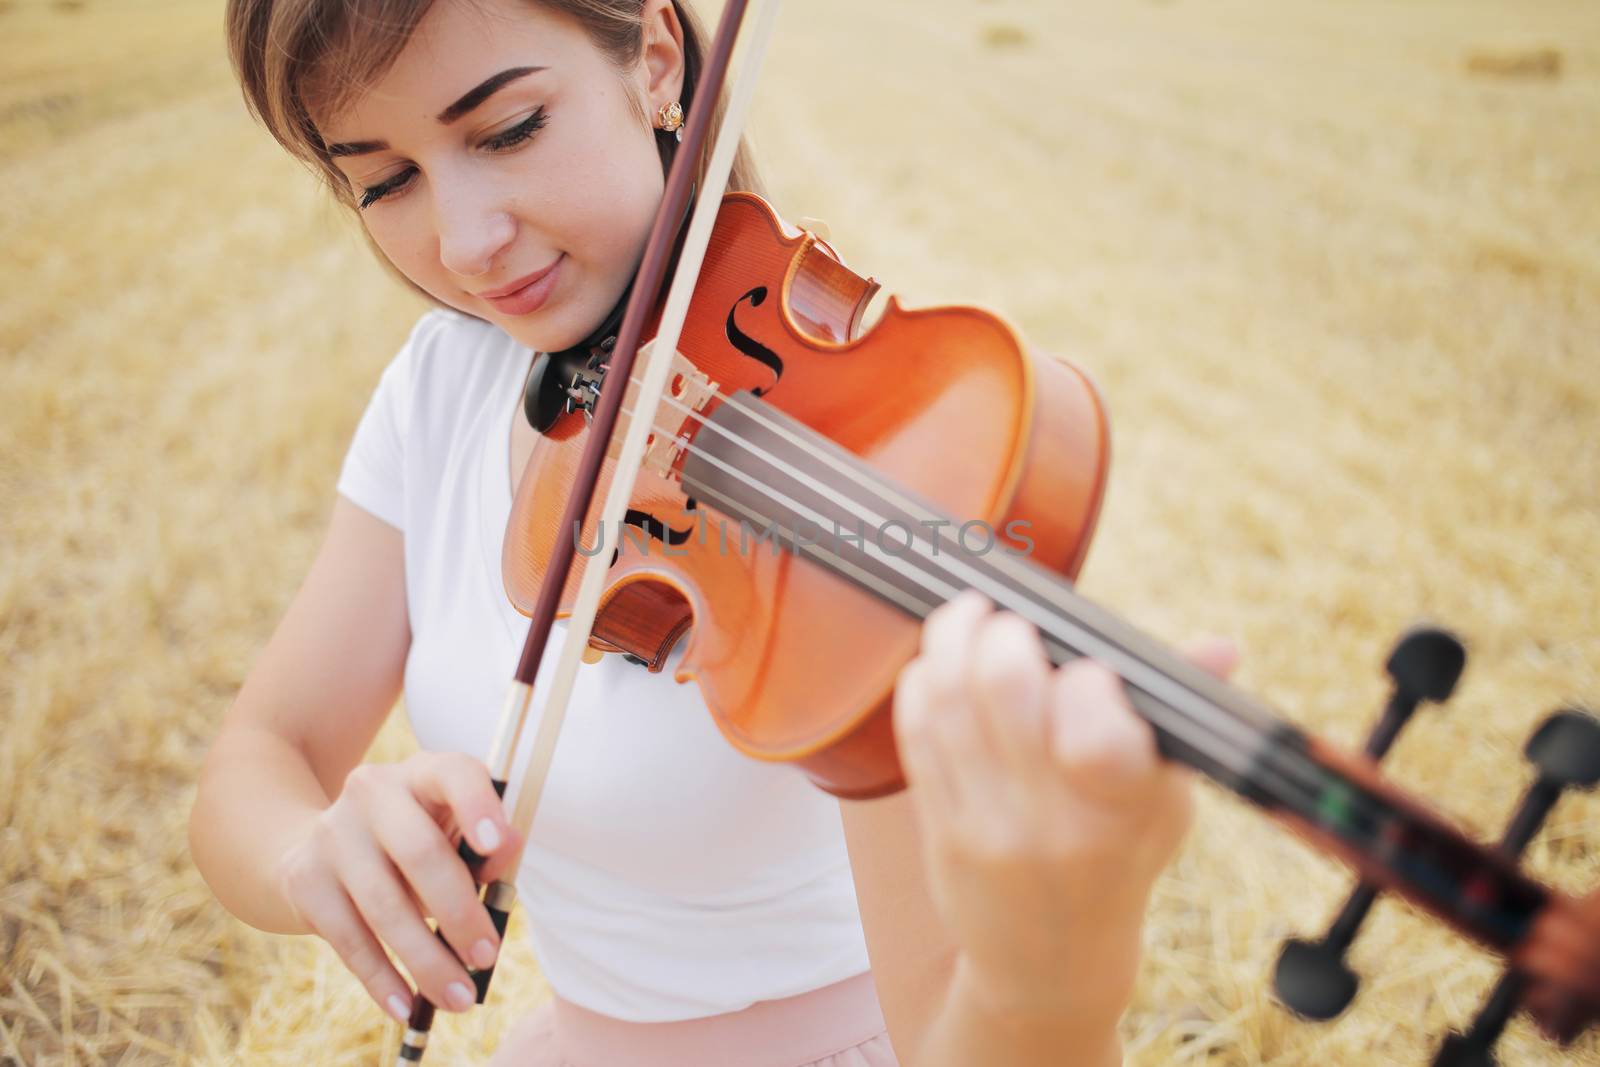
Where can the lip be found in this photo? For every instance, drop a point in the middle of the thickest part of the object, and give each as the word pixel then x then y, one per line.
pixel 527 293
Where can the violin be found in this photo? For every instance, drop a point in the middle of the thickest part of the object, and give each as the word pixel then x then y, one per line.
pixel 763 439
pixel 811 492
pixel 797 491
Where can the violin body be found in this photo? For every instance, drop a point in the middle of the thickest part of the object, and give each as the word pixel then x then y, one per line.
pixel 796 664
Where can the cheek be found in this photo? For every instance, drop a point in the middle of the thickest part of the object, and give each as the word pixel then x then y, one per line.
pixel 415 254
pixel 609 175
pixel 412 250
pixel 611 202
pixel 599 213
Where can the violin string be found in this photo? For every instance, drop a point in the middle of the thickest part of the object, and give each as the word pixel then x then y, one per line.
pixel 1290 767
pixel 1308 786
pixel 1300 783
pixel 1308 775
pixel 1294 772
pixel 1009 567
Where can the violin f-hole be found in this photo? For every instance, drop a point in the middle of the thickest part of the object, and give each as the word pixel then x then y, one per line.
pixel 655 528
pixel 749 345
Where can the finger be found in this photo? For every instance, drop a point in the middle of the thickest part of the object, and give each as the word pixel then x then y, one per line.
pixel 332 914
pixel 1099 742
pixel 439 880
pixel 949 636
pixel 1010 675
pixel 1216 656
pixel 377 890
pixel 920 756
pixel 456 783
pixel 954 614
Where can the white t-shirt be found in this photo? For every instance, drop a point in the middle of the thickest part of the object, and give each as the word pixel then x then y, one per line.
pixel 668 876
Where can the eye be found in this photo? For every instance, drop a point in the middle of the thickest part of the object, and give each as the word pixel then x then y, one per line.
pixel 500 142
pixel 372 194
pixel 517 134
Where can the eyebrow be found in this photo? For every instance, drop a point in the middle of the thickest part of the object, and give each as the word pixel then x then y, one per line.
pixel 468 102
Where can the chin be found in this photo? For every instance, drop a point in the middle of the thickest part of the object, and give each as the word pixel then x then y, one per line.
pixel 553 329
pixel 546 337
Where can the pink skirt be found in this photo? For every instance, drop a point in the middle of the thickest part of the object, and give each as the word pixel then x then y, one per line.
pixel 839 1025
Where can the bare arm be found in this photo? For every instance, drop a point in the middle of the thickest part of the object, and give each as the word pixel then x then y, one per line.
pixel 935 1011
pixel 307 711
pixel 913 952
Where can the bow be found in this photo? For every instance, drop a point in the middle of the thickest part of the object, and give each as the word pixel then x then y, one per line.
pixel 500 896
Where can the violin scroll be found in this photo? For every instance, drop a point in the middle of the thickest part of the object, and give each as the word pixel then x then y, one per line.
pixel 1566 751
pixel 1555 972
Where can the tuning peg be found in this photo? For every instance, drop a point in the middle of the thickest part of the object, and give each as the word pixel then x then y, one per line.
pixel 1461 1051
pixel 1426 664
pixel 1311 977
pixel 1566 750
pixel 1475 1048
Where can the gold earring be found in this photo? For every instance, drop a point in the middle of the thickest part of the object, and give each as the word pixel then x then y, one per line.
pixel 669 117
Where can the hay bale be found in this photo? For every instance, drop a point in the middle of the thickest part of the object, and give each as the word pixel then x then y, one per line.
pixel 1515 63
pixel 1001 35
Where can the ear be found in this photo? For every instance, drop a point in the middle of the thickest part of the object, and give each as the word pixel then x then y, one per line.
pixel 662 55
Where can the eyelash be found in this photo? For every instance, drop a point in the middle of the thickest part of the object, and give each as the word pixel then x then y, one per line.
pixel 500 142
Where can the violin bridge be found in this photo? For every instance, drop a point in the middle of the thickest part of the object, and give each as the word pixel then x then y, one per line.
pixel 813 225
pixel 689 389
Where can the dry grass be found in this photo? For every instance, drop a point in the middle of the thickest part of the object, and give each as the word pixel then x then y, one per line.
pixel 1342 293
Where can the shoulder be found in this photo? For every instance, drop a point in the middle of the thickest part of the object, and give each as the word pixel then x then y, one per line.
pixel 450 357
pixel 444 336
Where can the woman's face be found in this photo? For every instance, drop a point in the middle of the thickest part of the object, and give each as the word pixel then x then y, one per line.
pixel 501 144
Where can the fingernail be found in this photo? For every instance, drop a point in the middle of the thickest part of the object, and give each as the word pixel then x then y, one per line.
pixel 398 1006
pixel 458 996
pixel 488 836
pixel 483 954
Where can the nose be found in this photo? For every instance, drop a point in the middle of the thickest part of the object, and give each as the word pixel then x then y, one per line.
pixel 473 228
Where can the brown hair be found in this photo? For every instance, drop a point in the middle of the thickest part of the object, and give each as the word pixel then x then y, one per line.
pixel 288 54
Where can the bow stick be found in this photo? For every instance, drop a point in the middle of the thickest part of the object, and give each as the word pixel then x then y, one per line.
pixel 500 896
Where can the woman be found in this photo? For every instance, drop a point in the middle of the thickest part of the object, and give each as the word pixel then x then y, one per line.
pixel 687 905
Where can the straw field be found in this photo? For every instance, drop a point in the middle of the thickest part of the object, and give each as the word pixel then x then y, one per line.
pixel 1336 268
